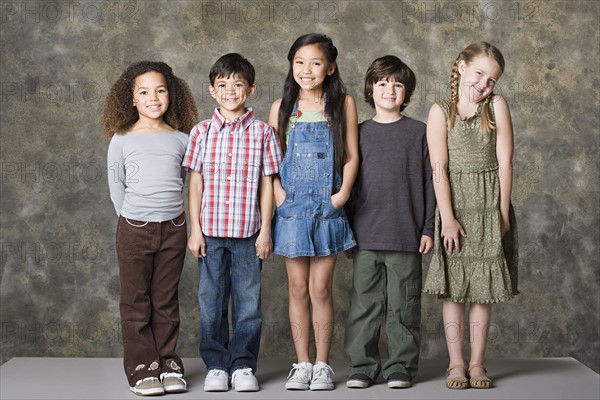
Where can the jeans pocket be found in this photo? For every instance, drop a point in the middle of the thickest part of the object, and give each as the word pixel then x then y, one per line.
pixel 135 223
pixel 282 209
pixel 282 201
pixel 179 221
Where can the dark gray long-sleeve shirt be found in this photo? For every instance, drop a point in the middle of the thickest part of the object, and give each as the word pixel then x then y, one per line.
pixel 393 202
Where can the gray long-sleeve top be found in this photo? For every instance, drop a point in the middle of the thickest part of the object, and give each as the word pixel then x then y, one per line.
pixel 145 177
pixel 393 202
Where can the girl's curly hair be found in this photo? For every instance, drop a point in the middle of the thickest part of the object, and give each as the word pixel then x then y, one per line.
pixel 120 114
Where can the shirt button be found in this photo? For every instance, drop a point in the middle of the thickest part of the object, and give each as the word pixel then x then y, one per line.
pixel 227 202
pixel 229 154
pixel 228 178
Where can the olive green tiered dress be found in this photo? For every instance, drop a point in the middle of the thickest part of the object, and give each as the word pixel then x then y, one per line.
pixel 485 270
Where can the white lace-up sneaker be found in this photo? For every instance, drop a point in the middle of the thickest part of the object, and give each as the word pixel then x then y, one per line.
pixel 243 380
pixel 216 380
pixel 322 377
pixel 299 377
pixel 173 382
pixel 148 387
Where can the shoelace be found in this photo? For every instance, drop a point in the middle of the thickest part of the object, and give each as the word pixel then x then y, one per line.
pixel 322 370
pixel 243 371
pixel 298 372
pixel 216 372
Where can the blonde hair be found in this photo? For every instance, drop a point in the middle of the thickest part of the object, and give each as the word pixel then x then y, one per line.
pixel 473 51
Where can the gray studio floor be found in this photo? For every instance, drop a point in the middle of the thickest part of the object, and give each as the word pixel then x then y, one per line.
pixel 102 378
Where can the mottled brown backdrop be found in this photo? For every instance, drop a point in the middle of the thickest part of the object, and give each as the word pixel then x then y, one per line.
pixel 59 282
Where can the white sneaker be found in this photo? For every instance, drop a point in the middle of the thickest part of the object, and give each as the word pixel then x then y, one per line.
pixel 173 382
pixel 148 387
pixel 243 380
pixel 322 377
pixel 216 380
pixel 299 377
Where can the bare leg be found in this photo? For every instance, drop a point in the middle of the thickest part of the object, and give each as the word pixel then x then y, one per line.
pixel 454 323
pixel 320 289
pixel 479 319
pixel 299 304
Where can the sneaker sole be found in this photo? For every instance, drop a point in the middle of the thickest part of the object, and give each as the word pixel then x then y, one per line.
pixel 399 385
pixel 215 389
pixel 149 392
pixel 175 389
pixel 322 386
pixel 356 384
pixel 296 386
pixel 246 388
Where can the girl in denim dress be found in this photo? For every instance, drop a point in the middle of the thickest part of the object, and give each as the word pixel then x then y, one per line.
pixel 317 124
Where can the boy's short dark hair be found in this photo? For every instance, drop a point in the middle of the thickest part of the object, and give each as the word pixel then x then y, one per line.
pixel 390 68
pixel 232 64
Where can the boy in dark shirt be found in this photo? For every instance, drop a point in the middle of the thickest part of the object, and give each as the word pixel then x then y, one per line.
pixel 392 216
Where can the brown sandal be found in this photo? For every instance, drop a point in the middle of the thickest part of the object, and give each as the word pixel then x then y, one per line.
pixel 456 382
pixel 479 382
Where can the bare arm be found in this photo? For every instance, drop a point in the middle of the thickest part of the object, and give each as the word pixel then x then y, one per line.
pixel 504 154
pixel 278 191
pixel 196 242
pixel 350 168
pixel 264 243
pixel 437 141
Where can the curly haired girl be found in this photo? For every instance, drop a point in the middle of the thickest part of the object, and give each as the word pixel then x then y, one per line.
pixel 146 114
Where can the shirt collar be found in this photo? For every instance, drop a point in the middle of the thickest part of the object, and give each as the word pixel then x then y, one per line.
pixel 244 121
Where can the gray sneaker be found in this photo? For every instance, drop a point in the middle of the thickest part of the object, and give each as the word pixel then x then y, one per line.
pixel 322 377
pixel 300 376
pixel 399 380
pixel 359 380
pixel 148 387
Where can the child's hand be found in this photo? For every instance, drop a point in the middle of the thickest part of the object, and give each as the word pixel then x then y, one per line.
pixel 197 245
pixel 264 244
pixel 451 232
pixel 339 199
pixel 426 244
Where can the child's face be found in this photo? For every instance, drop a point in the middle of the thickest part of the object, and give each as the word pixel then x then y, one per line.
pixel 310 67
pixel 478 78
pixel 388 96
pixel 151 95
pixel 231 94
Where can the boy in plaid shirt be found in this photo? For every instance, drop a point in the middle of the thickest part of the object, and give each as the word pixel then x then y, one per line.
pixel 232 158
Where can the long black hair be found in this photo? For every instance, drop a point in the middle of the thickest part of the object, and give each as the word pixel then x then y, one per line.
pixel 333 88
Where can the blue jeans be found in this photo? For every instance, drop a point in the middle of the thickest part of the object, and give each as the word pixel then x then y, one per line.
pixel 230 269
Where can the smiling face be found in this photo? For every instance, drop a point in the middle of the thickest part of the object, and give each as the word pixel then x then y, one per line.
pixel 310 67
pixel 231 94
pixel 478 78
pixel 388 96
pixel 151 95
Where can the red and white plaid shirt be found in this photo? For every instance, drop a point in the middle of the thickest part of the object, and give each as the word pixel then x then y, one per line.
pixel 232 157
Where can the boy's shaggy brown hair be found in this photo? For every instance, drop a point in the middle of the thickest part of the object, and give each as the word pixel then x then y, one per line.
pixel 120 114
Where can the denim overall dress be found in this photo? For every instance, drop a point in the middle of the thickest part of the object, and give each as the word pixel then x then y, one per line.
pixel 306 223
